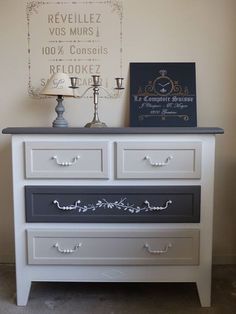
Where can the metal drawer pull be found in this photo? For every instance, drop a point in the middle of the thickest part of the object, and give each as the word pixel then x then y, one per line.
pixel 159 164
pixel 165 250
pixel 70 207
pixel 67 251
pixel 66 163
pixel 156 207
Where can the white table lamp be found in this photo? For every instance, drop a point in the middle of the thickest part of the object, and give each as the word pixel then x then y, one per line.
pixel 58 85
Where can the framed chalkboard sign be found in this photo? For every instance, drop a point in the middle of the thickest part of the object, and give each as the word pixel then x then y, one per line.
pixel 163 95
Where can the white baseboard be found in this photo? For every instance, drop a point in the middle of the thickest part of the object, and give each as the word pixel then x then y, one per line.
pixel 224 259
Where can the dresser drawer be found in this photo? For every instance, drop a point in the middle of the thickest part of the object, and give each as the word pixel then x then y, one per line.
pixel 154 160
pixel 109 247
pixel 112 203
pixel 66 160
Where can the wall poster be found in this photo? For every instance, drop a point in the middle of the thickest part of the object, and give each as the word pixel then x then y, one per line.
pixel 80 38
pixel 163 95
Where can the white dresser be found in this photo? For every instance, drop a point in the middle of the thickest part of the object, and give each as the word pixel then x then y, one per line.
pixel 113 205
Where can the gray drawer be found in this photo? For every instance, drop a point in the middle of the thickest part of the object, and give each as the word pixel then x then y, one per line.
pixel 78 159
pixel 158 160
pixel 112 203
pixel 113 247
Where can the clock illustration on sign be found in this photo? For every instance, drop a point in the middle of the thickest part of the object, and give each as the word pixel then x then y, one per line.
pixel 163 85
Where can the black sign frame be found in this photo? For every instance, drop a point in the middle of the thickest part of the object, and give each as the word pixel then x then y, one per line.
pixel 163 94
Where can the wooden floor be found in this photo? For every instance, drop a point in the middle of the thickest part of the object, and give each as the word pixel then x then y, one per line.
pixel 107 298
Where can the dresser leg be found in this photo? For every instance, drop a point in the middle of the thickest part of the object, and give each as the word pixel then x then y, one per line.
pixel 204 292
pixel 23 290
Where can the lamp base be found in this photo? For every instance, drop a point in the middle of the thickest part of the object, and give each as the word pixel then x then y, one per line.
pixel 95 124
pixel 60 121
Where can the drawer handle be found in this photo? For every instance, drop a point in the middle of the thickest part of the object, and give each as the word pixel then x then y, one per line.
pixel 158 164
pixel 157 207
pixel 70 207
pixel 116 205
pixel 67 251
pixel 66 163
pixel 165 250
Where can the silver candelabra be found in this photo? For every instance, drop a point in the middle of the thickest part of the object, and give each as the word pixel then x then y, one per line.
pixel 96 86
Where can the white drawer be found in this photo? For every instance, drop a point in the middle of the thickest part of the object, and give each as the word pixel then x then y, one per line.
pixel 154 160
pixel 110 247
pixel 66 160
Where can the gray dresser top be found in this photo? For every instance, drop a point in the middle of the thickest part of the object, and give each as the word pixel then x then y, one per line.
pixel 128 130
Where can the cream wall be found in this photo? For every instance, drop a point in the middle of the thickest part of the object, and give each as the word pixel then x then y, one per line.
pixel 202 31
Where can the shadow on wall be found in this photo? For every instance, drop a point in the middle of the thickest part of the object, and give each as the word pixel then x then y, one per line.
pixel 224 205
pixel 127 101
pixel 6 208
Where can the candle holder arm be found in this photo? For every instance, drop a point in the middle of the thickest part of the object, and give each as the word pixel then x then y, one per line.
pixel 84 93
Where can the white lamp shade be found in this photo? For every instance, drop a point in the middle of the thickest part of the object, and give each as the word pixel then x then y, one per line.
pixel 58 85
